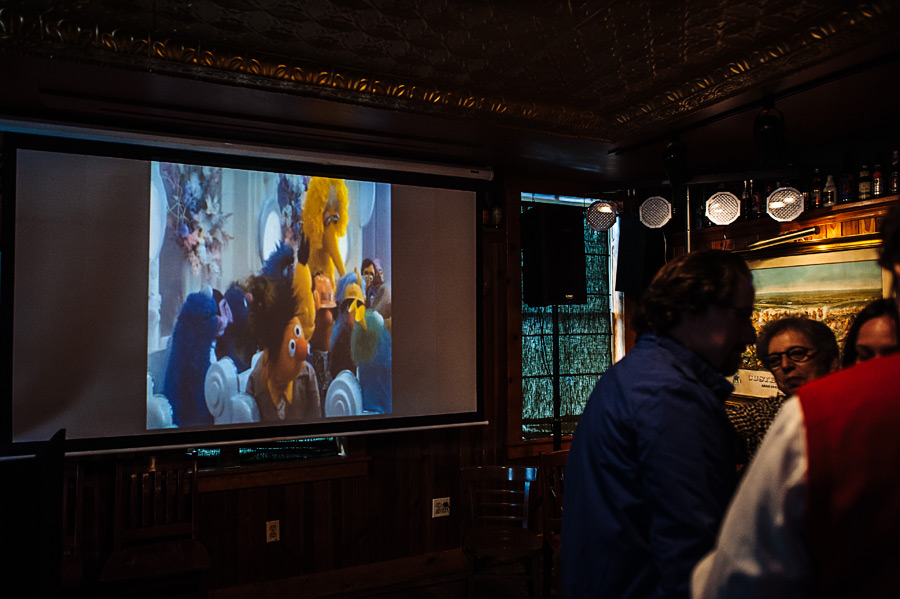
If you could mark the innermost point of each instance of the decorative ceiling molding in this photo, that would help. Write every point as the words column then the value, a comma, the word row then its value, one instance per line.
column 702, row 79
column 811, row 44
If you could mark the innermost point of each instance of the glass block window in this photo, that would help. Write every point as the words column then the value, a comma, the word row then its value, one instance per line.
column 585, row 341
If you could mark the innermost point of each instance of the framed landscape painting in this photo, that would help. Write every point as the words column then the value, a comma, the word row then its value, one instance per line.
column 826, row 281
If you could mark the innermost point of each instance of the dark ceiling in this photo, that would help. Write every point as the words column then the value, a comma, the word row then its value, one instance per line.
column 585, row 89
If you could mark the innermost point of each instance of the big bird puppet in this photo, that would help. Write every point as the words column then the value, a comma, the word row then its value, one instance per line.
column 324, row 222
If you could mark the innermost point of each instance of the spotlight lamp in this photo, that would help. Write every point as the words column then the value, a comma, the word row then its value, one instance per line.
column 655, row 212
column 601, row 215
column 784, row 204
column 723, row 208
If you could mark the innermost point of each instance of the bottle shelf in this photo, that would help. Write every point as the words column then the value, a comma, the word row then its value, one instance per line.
column 745, row 232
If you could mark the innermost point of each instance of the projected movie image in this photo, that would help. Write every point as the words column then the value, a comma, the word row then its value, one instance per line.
column 269, row 298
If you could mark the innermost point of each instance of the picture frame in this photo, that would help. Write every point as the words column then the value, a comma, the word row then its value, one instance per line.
column 830, row 281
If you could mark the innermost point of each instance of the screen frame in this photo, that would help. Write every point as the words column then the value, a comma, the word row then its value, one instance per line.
column 85, row 142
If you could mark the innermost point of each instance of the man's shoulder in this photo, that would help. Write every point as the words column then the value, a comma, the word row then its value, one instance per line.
column 872, row 378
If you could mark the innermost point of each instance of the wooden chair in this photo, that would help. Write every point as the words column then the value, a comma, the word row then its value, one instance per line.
column 156, row 550
column 553, row 474
column 497, row 533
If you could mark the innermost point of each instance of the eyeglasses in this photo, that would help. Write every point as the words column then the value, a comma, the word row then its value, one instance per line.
column 795, row 354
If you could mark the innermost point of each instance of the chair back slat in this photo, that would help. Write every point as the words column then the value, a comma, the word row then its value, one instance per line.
column 499, row 495
column 155, row 500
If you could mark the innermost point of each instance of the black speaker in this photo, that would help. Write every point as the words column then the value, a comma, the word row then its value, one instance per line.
column 553, row 264
column 642, row 252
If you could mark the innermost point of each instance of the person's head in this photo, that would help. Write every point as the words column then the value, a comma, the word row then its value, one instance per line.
column 368, row 272
column 797, row 350
column 703, row 299
column 874, row 333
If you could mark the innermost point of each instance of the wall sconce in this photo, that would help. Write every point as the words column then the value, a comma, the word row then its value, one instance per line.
column 784, row 204
column 655, row 212
column 601, row 215
column 723, row 208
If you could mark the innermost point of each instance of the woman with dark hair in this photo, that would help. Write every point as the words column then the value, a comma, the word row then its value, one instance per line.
column 874, row 333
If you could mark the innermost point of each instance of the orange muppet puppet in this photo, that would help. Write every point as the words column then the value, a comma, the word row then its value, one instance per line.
column 283, row 383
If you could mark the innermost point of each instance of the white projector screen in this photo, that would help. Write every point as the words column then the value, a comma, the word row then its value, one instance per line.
column 146, row 311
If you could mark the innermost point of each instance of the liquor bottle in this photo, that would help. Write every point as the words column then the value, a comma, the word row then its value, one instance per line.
column 815, row 190
column 845, row 184
column 894, row 177
column 755, row 202
column 864, row 183
column 877, row 182
column 829, row 192
column 700, row 221
column 764, row 200
column 745, row 201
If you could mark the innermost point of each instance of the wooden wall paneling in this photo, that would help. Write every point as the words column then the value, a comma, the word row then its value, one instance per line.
column 218, row 513
column 868, row 225
column 252, row 513
column 337, row 522
column 421, row 489
column 355, row 507
column 318, row 522
column 850, row 227
column 294, row 556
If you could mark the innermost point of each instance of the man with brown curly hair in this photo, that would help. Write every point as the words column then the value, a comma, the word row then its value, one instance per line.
column 652, row 465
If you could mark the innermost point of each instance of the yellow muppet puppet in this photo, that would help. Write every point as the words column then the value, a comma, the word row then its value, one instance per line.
column 324, row 222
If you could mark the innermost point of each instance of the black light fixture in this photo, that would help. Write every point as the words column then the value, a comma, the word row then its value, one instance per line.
column 601, row 215
column 723, row 208
column 784, row 204
column 675, row 161
column 768, row 135
column 655, row 212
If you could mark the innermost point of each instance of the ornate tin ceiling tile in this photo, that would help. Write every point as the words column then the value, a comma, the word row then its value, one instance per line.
column 593, row 69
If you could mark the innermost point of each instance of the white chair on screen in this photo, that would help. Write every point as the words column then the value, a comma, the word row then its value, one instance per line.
column 225, row 393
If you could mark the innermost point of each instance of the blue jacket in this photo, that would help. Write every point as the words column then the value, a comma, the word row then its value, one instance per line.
column 650, row 472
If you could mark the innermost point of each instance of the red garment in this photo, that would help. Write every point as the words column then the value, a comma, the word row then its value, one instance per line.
column 853, row 485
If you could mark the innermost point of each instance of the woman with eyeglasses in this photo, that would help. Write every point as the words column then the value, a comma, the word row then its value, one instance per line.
column 874, row 333
column 796, row 350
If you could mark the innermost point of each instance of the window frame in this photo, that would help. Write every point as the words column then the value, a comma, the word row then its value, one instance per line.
column 517, row 445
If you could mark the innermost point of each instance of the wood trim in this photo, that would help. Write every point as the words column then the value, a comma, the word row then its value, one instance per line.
column 395, row 574
column 529, row 449
column 246, row 477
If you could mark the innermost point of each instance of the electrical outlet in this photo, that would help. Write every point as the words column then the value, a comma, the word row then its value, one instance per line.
column 273, row 531
column 440, row 506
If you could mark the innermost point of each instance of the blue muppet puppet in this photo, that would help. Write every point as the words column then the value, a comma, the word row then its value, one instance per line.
column 189, row 359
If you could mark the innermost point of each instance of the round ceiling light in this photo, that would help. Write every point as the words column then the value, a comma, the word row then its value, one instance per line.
column 723, row 208
column 784, row 204
column 655, row 212
column 601, row 215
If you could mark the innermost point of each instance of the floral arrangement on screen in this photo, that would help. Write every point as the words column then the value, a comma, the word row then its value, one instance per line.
column 291, row 190
column 194, row 212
